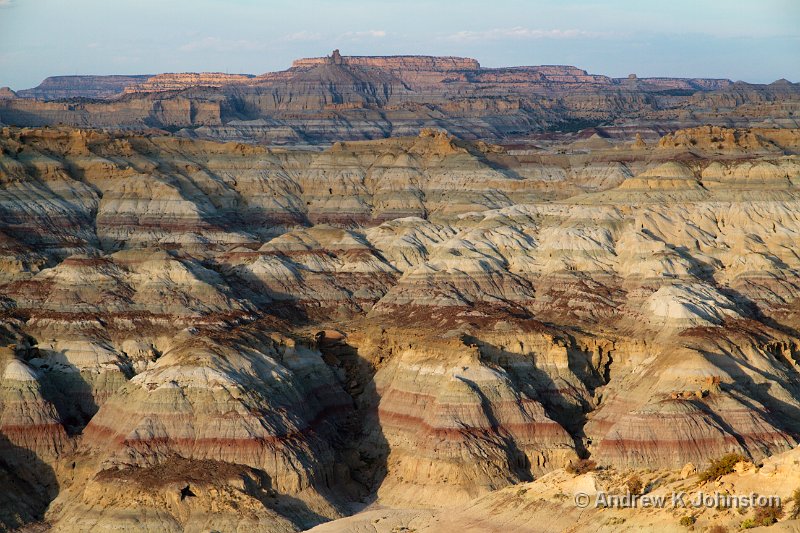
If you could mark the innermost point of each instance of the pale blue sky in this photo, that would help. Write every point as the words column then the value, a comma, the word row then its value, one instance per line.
column 752, row 40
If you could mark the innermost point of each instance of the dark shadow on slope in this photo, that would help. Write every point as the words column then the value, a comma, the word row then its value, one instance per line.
column 27, row 485
column 363, row 446
column 782, row 415
column 516, row 459
column 752, row 309
column 699, row 269
column 563, row 402
column 71, row 394
column 723, row 425
column 259, row 485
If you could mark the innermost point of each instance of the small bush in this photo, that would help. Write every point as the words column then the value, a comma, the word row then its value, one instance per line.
column 635, row 484
column 581, row 467
column 748, row 524
column 720, row 467
column 688, row 521
column 795, row 499
column 767, row 515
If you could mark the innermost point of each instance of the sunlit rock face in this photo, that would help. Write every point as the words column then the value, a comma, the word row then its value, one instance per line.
column 417, row 322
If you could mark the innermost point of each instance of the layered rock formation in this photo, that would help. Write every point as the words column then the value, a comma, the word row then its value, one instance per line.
column 177, row 82
column 327, row 99
column 203, row 335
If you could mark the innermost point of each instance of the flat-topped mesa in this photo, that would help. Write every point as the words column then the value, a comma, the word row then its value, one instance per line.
column 565, row 74
column 687, row 84
column 184, row 80
column 57, row 87
column 391, row 62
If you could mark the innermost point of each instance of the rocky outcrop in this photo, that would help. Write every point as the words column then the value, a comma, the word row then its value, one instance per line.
column 716, row 139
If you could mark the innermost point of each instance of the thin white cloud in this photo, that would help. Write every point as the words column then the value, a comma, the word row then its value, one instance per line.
column 371, row 34
column 215, row 44
column 303, row 36
column 6, row 3
column 519, row 32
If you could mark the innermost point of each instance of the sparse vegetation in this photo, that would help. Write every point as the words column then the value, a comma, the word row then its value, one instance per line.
column 720, row 467
column 767, row 515
column 635, row 484
column 795, row 499
column 717, row 529
column 688, row 521
column 581, row 467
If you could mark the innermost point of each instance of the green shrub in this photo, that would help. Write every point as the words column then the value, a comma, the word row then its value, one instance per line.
column 688, row 521
column 720, row 467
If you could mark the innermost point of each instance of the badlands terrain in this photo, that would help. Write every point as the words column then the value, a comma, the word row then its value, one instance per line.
column 423, row 331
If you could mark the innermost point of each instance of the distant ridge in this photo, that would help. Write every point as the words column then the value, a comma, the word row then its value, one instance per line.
column 325, row 99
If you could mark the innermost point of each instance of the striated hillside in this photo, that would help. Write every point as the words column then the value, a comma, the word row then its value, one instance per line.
column 221, row 336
